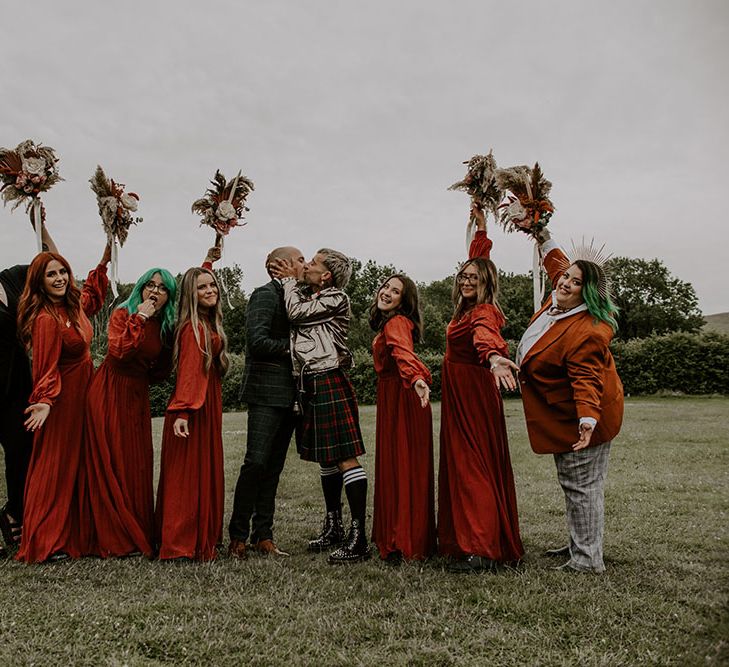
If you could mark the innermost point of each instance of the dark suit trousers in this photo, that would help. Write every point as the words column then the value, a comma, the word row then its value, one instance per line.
column 269, row 435
column 18, row 444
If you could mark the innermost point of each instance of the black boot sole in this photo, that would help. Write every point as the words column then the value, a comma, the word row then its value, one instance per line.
column 318, row 548
column 356, row 559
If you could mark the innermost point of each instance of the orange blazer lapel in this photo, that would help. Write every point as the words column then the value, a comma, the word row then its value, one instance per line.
column 551, row 335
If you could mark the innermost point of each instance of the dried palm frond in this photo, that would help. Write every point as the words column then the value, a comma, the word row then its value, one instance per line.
column 222, row 207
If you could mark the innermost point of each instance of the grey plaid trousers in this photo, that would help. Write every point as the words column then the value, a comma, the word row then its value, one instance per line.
column 582, row 475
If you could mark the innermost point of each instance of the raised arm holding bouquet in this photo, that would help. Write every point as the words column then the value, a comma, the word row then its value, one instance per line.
column 25, row 172
column 115, row 208
column 480, row 183
column 526, row 207
column 223, row 205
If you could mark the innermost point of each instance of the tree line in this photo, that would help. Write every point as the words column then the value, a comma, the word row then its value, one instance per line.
column 654, row 307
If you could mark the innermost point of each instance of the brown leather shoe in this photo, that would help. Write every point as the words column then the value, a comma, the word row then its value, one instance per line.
column 268, row 548
column 237, row 549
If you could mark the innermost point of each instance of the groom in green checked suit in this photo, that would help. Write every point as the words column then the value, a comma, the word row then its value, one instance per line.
column 269, row 390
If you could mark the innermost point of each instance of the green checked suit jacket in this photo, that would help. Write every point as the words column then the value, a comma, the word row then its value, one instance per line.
column 268, row 377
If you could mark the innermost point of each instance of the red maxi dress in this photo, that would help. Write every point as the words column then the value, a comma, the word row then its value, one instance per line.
column 404, row 512
column 191, row 489
column 62, row 368
column 477, row 511
column 115, row 483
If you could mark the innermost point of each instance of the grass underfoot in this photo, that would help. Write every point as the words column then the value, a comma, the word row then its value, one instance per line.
column 662, row 600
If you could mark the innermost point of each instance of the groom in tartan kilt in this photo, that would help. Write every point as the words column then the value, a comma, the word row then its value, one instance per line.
column 328, row 432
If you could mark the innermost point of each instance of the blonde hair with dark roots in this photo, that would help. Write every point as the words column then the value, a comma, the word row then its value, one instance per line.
column 487, row 290
column 338, row 264
column 187, row 311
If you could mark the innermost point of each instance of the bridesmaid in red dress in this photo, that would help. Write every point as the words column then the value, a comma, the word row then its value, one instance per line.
column 53, row 322
column 478, row 525
column 115, row 483
column 404, row 518
column 190, row 495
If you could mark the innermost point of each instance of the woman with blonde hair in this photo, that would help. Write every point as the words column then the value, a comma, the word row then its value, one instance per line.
column 478, row 525
column 189, row 514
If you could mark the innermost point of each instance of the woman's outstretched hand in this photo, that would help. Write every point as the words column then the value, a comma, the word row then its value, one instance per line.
column 502, row 369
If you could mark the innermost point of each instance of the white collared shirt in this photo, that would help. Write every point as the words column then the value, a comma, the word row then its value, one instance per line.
column 542, row 324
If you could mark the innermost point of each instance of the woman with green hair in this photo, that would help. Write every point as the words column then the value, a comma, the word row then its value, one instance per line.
column 573, row 397
column 115, row 483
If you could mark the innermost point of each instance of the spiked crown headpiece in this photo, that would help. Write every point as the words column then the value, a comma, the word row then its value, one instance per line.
column 598, row 257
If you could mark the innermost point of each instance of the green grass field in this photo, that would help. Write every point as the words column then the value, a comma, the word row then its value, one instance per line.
column 662, row 601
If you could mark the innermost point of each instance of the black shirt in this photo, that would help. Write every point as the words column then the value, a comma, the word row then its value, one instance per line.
column 15, row 377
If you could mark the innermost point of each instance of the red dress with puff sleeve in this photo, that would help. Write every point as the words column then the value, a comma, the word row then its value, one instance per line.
column 62, row 368
column 190, row 495
column 477, row 511
column 404, row 514
column 116, row 478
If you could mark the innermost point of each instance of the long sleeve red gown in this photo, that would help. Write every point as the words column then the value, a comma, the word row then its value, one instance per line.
column 477, row 511
column 115, row 482
column 190, row 495
column 62, row 368
column 404, row 513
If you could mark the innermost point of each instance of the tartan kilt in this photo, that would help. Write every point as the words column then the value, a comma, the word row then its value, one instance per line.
column 328, row 430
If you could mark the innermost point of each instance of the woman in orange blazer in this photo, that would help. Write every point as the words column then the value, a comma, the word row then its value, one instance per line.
column 573, row 397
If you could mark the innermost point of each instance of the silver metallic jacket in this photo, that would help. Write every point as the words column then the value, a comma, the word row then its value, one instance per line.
column 319, row 328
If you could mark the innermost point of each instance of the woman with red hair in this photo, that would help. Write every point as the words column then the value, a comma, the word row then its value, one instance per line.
column 53, row 323
column 15, row 387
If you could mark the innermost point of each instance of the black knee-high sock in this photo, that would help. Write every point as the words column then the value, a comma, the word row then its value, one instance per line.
column 355, row 485
column 331, row 485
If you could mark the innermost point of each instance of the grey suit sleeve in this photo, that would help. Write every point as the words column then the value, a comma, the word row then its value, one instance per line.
column 261, row 309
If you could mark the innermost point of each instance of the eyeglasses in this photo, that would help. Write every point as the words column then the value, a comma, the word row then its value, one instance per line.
column 156, row 287
column 470, row 278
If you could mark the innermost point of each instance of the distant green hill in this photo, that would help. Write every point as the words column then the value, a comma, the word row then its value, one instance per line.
column 718, row 323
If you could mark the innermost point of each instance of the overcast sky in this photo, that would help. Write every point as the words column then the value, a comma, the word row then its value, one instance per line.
column 352, row 119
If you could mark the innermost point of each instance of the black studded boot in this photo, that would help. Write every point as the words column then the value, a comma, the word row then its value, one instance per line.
column 354, row 549
column 332, row 533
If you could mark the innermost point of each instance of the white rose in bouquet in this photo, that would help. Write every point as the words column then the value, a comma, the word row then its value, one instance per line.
column 514, row 212
column 226, row 211
column 34, row 165
column 129, row 202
